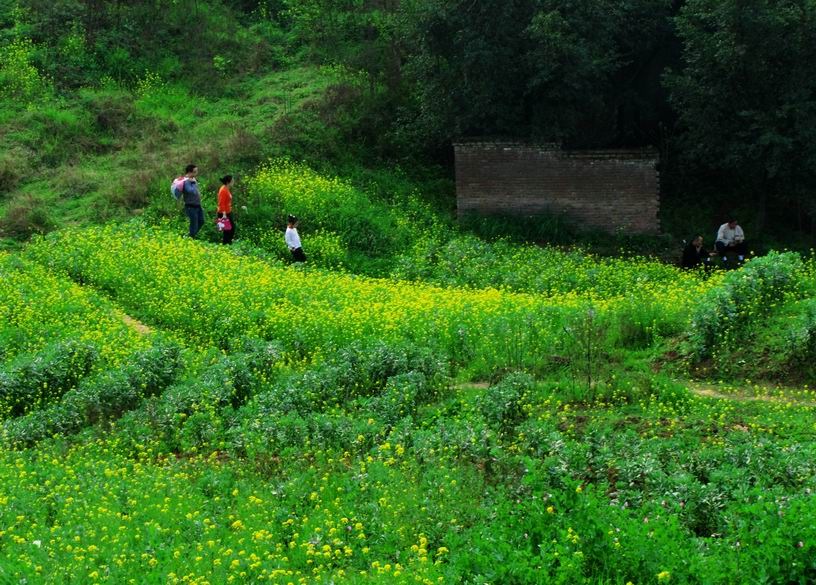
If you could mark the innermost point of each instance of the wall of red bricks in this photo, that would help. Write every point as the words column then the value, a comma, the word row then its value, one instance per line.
column 609, row 189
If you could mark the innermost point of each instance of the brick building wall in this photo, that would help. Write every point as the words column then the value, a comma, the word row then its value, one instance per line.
column 608, row 189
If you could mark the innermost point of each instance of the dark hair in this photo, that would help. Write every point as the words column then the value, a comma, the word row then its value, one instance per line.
column 291, row 219
column 731, row 219
column 190, row 168
column 226, row 179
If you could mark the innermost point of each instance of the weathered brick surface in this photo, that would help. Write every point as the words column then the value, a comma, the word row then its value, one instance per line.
column 609, row 189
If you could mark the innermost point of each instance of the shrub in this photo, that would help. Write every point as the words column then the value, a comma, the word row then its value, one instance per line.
column 201, row 403
column 35, row 381
column 502, row 404
column 551, row 228
column 25, row 216
column 399, row 397
column 103, row 397
column 14, row 166
column 20, row 81
column 374, row 364
column 743, row 299
column 802, row 335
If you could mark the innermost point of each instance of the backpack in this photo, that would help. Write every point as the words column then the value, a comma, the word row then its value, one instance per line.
column 177, row 188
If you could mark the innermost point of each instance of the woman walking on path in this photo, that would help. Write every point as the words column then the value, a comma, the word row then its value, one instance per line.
column 225, row 208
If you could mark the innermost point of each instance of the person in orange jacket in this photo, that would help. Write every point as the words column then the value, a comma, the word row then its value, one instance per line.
column 225, row 208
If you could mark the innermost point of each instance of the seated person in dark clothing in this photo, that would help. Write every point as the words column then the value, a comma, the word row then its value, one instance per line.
column 730, row 237
column 694, row 254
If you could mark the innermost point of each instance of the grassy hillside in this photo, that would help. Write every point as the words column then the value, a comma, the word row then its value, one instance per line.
column 107, row 153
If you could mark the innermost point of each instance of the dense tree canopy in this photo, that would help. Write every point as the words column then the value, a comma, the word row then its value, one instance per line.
column 746, row 95
column 576, row 72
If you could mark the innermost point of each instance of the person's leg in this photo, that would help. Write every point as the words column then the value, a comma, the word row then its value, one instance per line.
column 298, row 255
column 741, row 249
column 720, row 248
column 199, row 220
column 191, row 216
column 230, row 233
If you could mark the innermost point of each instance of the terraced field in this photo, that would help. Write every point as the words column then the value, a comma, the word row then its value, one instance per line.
column 179, row 412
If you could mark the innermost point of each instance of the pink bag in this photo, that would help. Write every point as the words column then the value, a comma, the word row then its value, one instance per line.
column 223, row 224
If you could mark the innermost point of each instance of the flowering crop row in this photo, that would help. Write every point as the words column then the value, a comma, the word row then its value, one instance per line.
column 207, row 294
column 37, row 308
column 100, row 398
column 507, row 487
column 368, row 466
column 332, row 207
column 469, row 261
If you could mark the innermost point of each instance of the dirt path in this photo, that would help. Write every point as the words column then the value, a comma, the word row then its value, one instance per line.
column 135, row 324
column 710, row 391
column 699, row 389
column 473, row 386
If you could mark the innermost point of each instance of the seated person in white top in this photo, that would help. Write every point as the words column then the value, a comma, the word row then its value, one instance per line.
column 730, row 237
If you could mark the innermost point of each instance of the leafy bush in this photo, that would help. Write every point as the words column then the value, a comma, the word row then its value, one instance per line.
column 554, row 229
column 103, row 397
column 20, row 80
column 801, row 335
column 389, row 381
column 502, row 404
column 745, row 297
column 191, row 414
column 399, row 397
column 14, row 166
column 32, row 382
column 26, row 216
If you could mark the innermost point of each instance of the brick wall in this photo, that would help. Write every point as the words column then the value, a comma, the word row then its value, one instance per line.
column 608, row 189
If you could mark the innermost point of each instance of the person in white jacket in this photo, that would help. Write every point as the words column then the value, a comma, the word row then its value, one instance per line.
column 293, row 239
column 730, row 237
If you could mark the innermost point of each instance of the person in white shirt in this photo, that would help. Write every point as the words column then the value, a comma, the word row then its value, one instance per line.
column 730, row 237
column 293, row 239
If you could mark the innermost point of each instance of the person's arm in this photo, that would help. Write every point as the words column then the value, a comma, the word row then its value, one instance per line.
column 721, row 234
column 739, row 235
